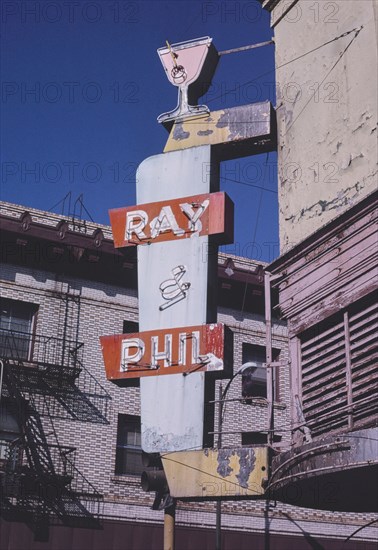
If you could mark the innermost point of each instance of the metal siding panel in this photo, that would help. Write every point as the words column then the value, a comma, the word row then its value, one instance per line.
column 330, row 271
column 174, row 175
column 172, row 407
column 214, row 473
column 155, row 263
column 236, row 132
column 344, row 262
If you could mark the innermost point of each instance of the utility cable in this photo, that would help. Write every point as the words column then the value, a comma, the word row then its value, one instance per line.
column 286, row 63
column 360, row 529
column 250, row 185
column 341, row 55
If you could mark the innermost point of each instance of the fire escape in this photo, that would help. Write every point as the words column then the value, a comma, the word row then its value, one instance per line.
column 43, row 378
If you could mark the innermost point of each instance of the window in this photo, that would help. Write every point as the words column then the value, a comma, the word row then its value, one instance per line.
column 130, row 327
column 254, row 377
column 129, row 451
column 10, row 430
column 16, row 328
column 258, row 438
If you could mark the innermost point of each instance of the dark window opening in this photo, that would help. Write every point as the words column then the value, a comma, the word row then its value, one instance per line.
column 17, row 320
column 258, row 438
column 129, row 450
column 254, row 377
column 10, row 429
column 130, row 327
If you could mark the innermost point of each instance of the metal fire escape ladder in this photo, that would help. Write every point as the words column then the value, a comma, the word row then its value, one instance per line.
column 85, row 399
column 90, row 405
column 20, row 479
column 69, row 506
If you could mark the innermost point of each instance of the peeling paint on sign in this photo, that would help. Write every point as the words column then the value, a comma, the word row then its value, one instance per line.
column 224, row 469
column 217, row 473
column 207, row 214
column 161, row 352
column 247, row 461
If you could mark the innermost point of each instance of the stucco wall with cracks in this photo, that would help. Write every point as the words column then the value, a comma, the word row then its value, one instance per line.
column 326, row 110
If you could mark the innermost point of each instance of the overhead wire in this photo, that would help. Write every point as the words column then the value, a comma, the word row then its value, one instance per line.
column 360, row 529
column 341, row 55
column 218, row 477
column 286, row 63
column 249, row 185
column 357, row 31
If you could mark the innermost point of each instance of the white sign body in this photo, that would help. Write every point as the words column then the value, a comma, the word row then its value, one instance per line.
column 173, row 292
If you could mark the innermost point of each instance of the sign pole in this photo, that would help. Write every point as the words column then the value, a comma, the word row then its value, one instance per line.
column 178, row 223
column 169, row 527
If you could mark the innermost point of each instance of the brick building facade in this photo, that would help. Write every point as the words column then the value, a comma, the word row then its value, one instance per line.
column 72, row 284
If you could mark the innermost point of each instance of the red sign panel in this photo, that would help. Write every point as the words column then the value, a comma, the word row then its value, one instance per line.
column 208, row 214
column 168, row 351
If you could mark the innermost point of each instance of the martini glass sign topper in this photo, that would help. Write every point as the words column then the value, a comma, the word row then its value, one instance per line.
column 190, row 66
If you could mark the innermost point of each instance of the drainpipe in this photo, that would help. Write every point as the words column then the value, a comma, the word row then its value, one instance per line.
column 218, row 532
column 1, row 377
column 268, row 343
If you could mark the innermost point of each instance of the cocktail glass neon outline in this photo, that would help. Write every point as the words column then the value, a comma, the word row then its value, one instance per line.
column 183, row 63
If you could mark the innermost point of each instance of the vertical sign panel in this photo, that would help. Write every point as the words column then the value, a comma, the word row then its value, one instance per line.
column 172, row 407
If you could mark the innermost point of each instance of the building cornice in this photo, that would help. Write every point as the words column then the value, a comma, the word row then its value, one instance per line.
column 46, row 241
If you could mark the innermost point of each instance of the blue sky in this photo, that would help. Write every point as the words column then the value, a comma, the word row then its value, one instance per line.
column 82, row 86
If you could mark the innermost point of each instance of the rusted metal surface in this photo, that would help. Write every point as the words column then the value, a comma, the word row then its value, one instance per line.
column 324, row 474
column 183, row 350
column 217, row 473
column 176, row 219
column 233, row 133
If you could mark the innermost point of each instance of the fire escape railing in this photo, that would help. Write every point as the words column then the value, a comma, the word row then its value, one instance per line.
column 41, row 351
column 90, row 387
column 53, row 367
